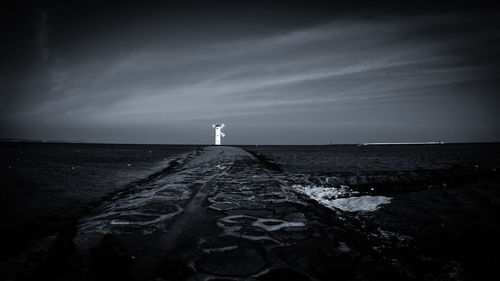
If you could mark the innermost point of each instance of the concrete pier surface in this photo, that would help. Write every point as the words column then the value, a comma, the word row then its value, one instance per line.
column 220, row 213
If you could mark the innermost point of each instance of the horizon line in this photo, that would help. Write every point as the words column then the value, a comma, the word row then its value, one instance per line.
column 15, row 140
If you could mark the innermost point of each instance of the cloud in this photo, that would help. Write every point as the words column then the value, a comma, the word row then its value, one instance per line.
column 313, row 71
column 42, row 35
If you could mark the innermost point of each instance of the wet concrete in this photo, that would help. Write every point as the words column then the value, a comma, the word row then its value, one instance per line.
column 220, row 214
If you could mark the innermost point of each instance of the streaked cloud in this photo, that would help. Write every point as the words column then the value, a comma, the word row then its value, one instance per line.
column 307, row 75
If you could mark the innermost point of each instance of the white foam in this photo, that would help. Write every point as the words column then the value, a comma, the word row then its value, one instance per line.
column 323, row 193
column 329, row 197
column 343, row 247
column 390, row 236
column 362, row 203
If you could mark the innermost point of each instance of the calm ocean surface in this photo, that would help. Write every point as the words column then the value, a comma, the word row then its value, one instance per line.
column 445, row 201
column 380, row 158
column 42, row 184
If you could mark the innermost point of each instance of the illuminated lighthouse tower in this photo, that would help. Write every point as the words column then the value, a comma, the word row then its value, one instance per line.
column 218, row 132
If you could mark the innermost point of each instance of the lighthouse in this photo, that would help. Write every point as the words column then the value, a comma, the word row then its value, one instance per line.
column 218, row 132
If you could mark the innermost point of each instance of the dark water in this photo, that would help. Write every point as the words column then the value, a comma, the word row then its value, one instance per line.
column 443, row 222
column 42, row 184
column 379, row 158
column 388, row 168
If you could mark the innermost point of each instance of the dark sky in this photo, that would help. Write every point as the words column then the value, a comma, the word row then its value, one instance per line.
column 275, row 73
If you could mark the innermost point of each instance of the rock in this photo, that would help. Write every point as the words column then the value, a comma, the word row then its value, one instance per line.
column 174, row 269
column 236, row 262
column 283, row 274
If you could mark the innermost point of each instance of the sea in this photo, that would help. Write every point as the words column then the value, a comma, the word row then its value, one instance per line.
column 45, row 185
column 443, row 201
column 431, row 211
